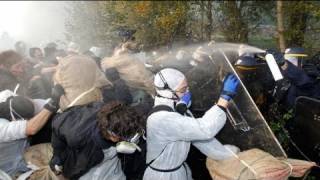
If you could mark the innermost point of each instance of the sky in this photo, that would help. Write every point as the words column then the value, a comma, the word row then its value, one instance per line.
column 35, row 22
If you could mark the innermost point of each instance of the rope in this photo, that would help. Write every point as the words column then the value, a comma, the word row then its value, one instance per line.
column 291, row 168
column 243, row 162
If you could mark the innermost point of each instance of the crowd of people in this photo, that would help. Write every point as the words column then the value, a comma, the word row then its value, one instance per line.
column 101, row 113
column 91, row 115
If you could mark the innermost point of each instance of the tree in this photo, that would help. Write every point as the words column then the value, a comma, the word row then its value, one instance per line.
column 238, row 18
column 280, row 26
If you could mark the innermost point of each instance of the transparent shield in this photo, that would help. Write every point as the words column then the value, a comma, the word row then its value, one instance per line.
column 246, row 127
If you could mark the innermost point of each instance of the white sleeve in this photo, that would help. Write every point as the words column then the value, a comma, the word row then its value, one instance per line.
column 12, row 130
column 172, row 126
column 214, row 149
column 39, row 104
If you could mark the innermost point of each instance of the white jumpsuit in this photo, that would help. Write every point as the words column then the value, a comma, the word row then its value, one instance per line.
column 169, row 136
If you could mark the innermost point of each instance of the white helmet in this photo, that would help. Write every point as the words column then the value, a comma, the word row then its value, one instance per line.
column 73, row 47
column 96, row 51
column 167, row 81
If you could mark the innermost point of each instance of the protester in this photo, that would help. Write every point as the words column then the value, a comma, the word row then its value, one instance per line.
column 171, row 128
column 21, row 47
column 21, row 117
column 85, row 140
column 36, row 55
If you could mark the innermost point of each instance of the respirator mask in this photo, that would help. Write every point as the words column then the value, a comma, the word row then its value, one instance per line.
column 129, row 146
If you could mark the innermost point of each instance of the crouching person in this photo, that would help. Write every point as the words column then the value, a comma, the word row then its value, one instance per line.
column 86, row 140
column 21, row 117
column 171, row 128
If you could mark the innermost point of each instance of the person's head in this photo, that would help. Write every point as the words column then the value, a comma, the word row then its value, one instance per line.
column 170, row 83
column 13, row 62
column 96, row 51
column 295, row 55
column 118, row 122
column 181, row 54
column 73, row 48
column 50, row 49
column 20, row 47
column 7, row 80
column 246, row 63
column 9, row 58
column 36, row 53
column 200, row 55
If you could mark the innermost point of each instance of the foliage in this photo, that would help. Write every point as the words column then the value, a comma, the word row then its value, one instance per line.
column 278, row 118
column 160, row 23
column 302, row 25
column 238, row 18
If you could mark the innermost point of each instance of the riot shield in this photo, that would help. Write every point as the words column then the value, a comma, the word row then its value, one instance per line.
column 246, row 127
column 306, row 125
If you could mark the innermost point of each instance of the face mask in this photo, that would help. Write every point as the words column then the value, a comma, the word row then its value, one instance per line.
column 130, row 146
column 181, row 107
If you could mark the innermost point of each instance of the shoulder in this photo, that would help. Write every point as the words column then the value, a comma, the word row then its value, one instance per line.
column 164, row 118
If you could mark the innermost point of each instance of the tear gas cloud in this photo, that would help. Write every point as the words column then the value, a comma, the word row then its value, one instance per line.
column 35, row 22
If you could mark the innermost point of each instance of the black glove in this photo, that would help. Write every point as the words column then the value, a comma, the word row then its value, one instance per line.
column 53, row 104
column 56, row 165
column 278, row 56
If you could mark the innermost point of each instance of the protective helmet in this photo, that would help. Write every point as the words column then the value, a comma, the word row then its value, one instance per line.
column 246, row 63
column 96, row 51
column 167, row 81
column 295, row 55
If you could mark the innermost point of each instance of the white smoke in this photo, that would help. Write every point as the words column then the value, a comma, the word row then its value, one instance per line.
column 35, row 22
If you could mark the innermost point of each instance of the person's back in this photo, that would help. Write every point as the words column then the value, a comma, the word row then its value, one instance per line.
column 73, row 139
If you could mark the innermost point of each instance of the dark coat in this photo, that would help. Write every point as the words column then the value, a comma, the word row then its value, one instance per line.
column 76, row 140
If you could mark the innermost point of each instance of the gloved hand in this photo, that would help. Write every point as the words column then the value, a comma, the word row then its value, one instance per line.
column 278, row 56
column 53, row 104
column 184, row 103
column 56, row 165
column 230, row 85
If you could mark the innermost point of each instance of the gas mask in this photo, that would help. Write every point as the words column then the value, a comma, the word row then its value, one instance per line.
column 129, row 146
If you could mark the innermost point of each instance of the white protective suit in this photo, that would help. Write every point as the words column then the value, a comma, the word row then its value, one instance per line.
column 13, row 142
column 109, row 169
column 170, row 134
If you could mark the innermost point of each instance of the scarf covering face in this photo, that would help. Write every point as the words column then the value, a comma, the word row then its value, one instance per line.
column 80, row 77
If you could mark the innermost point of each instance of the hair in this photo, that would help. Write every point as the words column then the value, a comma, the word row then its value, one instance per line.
column 7, row 80
column 33, row 50
column 9, row 58
column 120, row 119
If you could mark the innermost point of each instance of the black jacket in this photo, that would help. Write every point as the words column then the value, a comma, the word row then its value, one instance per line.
column 76, row 140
